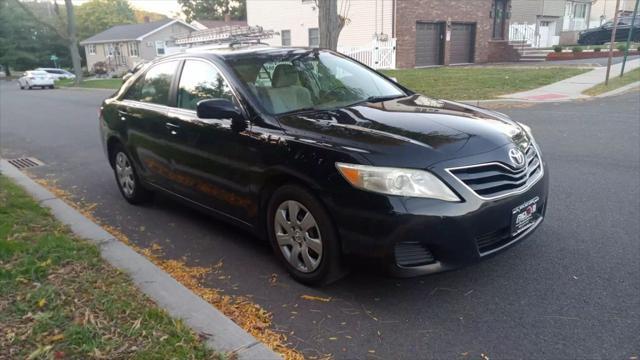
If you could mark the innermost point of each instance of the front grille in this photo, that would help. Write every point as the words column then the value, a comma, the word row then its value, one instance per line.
column 413, row 253
column 494, row 180
column 493, row 240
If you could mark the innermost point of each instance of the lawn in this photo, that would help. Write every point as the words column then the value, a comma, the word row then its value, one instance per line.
column 614, row 83
column 478, row 83
column 59, row 299
column 94, row 84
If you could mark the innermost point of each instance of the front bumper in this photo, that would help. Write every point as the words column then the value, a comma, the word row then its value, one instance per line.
column 396, row 231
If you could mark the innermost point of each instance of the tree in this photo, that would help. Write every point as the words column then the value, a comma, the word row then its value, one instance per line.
column 143, row 15
column 96, row 16
column 213, row 9
column 57, row 23
column 331, row 21
column 24, row 42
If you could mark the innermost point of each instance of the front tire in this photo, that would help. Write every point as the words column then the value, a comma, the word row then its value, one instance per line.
column 127, row 179
column 303, row 236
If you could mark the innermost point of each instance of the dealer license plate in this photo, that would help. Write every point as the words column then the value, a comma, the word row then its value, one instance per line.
column 524, row 215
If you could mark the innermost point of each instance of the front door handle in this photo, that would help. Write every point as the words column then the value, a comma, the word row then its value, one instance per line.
column 173, row 128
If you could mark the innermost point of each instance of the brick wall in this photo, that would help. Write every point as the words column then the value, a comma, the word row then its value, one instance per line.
column 408, row 12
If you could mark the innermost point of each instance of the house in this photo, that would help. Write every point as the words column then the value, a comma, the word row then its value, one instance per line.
column 421, row 32
column 214, row 24
column 544, row 23
column 603, row 11
column 123, row 46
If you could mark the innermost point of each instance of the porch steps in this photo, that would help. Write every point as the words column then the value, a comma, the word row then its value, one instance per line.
column 529, row 53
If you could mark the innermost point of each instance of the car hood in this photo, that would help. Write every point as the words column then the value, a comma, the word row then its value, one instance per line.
column 413, row 131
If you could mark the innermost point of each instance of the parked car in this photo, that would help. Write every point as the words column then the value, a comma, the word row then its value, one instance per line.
column 58, row 74
column 36, row 78
column 327, row 159
column 602, row 34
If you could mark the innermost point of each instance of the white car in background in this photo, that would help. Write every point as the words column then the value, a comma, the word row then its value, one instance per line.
column 58, row 73
column 36, row 78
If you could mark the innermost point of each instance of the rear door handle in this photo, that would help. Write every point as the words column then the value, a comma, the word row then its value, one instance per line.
column 173, row 128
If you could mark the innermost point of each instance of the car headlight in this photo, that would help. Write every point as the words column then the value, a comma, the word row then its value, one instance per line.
column 527, row 129
column 395, row 181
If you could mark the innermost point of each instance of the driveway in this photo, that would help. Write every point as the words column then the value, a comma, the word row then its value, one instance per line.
column 569, row 291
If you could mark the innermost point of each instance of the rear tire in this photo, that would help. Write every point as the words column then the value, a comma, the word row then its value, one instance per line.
column 303, row 236
column 127, row 179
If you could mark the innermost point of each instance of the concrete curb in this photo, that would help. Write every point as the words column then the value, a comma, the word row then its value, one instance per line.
column 619, row 90
column 223, row 335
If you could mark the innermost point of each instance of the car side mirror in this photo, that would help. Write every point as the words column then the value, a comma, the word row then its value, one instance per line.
column 221, row 109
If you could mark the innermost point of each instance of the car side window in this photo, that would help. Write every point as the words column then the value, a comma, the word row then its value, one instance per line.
column 199, row 81
column 153, row 87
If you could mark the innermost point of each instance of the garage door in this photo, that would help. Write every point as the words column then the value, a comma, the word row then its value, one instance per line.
column 462, row 43
column 428, row 44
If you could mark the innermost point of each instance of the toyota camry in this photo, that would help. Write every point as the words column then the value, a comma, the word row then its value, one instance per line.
column 326, row 159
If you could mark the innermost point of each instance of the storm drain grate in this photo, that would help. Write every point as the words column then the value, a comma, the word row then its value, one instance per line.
column 25, row 163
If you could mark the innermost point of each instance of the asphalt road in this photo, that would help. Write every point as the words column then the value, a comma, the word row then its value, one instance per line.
column 572, row 290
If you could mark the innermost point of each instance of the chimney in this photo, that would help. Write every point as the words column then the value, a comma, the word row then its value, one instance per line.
column 147, row 19
column 227, row 18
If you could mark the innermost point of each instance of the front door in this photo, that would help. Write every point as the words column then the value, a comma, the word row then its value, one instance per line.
column 499, row 16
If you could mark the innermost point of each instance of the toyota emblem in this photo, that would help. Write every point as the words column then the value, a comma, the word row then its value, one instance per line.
column 517, row 157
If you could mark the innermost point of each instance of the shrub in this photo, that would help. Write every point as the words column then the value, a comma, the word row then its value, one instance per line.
column 622, row 47
column 557, row 48
column 597, row 49
column 638, row 48
column 577, row 49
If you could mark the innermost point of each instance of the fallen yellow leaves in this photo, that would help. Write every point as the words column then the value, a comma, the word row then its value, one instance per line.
column 248, row 315
column 315, row 298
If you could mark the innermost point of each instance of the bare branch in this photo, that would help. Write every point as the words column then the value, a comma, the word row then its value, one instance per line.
column 43, row 22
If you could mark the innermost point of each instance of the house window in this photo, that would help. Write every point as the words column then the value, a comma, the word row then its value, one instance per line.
column 581, row 11
column 286, row 37
column 134, row 51
column 314, row 37
column 91, row 49
column 160, row 48
column 110, row 49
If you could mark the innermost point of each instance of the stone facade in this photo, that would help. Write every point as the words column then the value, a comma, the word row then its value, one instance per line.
column 478, row 12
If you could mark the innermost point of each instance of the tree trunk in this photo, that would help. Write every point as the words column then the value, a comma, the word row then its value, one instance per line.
column 73, row 42
column 328, row 24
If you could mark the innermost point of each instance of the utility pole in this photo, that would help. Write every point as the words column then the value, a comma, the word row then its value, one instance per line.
column 613, row 40
column 626, row 50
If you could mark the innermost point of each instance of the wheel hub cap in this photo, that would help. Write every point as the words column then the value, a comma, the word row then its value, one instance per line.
column 298, row 236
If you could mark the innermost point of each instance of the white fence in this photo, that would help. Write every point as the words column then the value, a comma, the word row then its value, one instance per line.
column 378, row 55
column 543, row 36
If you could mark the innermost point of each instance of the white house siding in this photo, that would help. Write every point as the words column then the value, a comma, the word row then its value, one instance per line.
column 168, row 34
column 367, row 18
column 527, row 11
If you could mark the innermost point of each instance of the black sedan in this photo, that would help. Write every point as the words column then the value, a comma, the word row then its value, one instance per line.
column 326, row 158
column 602, row 34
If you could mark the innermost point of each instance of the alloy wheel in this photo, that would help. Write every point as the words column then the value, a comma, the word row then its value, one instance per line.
column 298, row 236
column 124, row 171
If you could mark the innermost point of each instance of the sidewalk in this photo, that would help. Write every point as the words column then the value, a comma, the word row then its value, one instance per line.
column 572, row 88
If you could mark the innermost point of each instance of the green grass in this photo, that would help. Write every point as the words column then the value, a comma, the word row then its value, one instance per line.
column 58, row 299
column 614, row 83
column 93, row 84
column 478, row 83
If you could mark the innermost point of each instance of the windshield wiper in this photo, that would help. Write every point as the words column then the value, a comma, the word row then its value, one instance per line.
column 298, row 110
column 374, row 99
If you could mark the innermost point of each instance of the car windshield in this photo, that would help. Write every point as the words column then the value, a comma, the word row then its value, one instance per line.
column 292, row 81
column 38, row 73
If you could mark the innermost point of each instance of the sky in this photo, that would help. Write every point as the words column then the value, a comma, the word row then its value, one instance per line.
column 165, row 7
